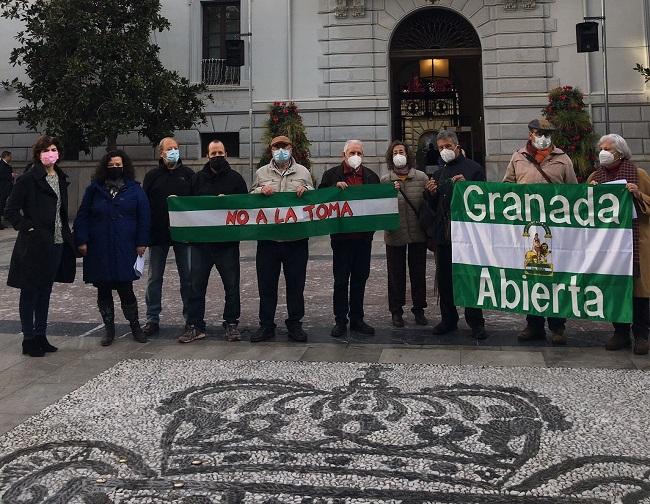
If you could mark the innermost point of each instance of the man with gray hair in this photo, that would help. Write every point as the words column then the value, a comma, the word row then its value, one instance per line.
column 438, row 192
column 170, row 178
column 351, row 251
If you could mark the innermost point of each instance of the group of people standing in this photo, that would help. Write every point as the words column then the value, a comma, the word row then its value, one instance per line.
column 118, row 220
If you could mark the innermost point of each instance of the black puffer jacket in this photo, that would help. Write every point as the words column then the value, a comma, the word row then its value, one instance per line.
column 158, row 185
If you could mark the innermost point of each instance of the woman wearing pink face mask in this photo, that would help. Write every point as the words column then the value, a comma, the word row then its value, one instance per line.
column 44, row 251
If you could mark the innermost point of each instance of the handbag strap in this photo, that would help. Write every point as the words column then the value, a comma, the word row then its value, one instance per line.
column 417, row 213
column 539, row 168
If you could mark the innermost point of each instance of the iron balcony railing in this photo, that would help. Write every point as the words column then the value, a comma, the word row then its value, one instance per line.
column 215, row 72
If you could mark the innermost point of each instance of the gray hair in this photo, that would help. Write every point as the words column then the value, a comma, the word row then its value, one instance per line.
column 447, row 135
column 162, row 143
column 620, row 144
column 349, row 143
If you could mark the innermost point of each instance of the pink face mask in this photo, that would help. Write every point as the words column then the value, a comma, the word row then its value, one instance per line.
column 48, row 158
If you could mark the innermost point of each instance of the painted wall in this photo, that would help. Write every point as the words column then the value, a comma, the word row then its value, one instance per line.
column 339, row 72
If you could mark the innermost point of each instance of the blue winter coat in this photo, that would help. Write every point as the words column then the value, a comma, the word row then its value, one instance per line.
column 112, row 228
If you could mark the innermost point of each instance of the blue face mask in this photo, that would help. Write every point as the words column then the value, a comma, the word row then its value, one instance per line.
column 281, row 155
column 173, row 155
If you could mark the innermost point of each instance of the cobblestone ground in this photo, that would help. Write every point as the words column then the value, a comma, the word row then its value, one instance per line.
column 73, row 308
column 206, row 432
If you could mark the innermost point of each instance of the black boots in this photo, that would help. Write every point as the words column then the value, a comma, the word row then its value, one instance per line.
column 37, row 346
column 107, row 311
column 131, row 314
column 45, row 345
column 32, row 348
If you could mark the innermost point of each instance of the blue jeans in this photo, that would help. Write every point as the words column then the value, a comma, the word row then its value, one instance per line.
column 35, row 301
column 225, row 257
column 157, row 261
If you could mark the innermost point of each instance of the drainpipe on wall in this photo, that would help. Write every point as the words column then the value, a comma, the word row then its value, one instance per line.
column 250, row 90
column 604, row 27
column 289, row 52
column 588, row 67
column 646, row 22
column 190, row 66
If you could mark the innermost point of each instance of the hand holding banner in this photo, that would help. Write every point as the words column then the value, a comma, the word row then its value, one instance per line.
column 546, row 249
column 283, row 216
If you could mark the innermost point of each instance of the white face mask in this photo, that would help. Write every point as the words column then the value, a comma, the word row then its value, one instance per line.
column 399, row 160
column 606, row 158
column 355, row 161
column 447, row 155
column 542, row 142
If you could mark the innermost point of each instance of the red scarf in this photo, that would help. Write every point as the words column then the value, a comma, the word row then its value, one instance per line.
column 627, row 170
column 539, row 154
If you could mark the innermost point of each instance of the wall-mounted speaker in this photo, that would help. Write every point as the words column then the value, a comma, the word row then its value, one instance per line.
column 587, row 37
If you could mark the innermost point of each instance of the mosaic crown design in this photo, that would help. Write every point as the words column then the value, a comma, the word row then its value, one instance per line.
column 277, row 441
column 466, row 434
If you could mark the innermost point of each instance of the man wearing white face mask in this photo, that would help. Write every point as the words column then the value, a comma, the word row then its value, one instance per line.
column 351, row 251
column 282, row 174
column 540, row 162
column 438, row 193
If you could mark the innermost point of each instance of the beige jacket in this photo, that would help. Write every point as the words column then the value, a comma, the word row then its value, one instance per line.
column 642, row 284
column 296, row 176
column 557, row 166
column 409, row 230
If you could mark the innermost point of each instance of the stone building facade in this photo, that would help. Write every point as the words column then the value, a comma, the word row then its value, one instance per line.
column 384, row 69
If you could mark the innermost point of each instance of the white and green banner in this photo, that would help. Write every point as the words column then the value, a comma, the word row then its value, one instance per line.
column 283, row 216
column 544, row 249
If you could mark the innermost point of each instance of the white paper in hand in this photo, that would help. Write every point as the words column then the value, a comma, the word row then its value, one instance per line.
column 623, row 181
column 138, row 267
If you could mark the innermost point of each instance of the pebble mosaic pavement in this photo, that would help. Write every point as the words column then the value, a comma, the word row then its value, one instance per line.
column 199, row 432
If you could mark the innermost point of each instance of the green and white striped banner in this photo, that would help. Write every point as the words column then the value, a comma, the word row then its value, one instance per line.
column 546, row 249
column 283, row 216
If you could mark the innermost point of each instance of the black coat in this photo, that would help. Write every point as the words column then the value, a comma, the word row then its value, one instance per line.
column 6, row 173
column 208, row 183
column 226, row 181
column 440, row 201
column 31, row 209
column 334, row 175
column 158, row 185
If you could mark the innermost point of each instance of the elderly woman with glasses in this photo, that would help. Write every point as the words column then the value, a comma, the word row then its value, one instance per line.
column 615, row 164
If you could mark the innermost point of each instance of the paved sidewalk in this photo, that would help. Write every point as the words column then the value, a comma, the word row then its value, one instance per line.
column 27, row 385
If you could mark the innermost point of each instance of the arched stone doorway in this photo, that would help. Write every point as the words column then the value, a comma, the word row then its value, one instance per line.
column 436, row 82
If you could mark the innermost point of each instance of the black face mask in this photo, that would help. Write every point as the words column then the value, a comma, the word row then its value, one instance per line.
column 114, row 172
column 218, row 163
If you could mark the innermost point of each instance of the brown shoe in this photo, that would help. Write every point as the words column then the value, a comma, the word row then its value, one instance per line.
column 640, row 346
column 150, row 328
column 531, row 334
column 558, row 337
column 618, row 341
column 232, row 333
column 191, row 333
